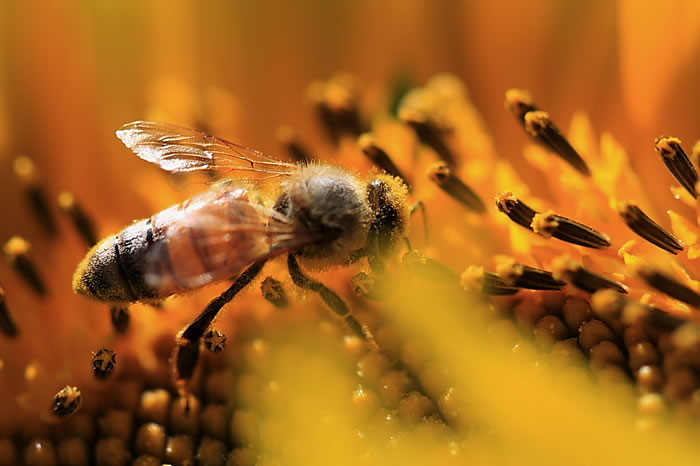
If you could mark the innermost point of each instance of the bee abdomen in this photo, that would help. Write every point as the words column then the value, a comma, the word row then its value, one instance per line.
column 114, row 270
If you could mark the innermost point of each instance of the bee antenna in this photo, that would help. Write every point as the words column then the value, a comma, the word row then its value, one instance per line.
column 421, row 206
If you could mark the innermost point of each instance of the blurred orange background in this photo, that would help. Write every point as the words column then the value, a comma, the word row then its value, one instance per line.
column 72, row 72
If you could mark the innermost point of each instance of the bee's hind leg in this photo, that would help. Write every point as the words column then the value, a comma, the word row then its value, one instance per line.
column 186, row 352
column 331, row 299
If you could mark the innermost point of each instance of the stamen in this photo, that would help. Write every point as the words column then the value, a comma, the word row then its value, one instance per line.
column 315, row 93
column 290, row 141
column 444, row 177
column 214, row 341
column 7, row 322
column 651, row 316
column 540, row 127
column 273, row 291
column 584, row 279
column 378, row 156
column 341, row 98
column 659, row 318
column 81, row 221
column 648, row 229
column 523, row 276
column 427, row 268
column 25, row 171
column 103, row 363
column 120, row 318
column 337, row 105
column 66, row 401
column 548, row 224
column 489, row 283
column 667, row 285
column 428, row 133
column 677, row 162
column 519, row 102
column 515, row 209
column 17, row 252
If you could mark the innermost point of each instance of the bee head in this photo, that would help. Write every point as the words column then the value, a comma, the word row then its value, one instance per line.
column 387, row 197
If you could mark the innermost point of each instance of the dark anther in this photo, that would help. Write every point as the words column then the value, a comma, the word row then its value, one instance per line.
column 668, row 285
column 214, row 341
column 289, row 140
column 523, row 276
column 273, row 291
column 66, row 401
column 26, row 172
column 427, row 268
column 677, row 162
column 103, row 363
column 549, row 224
column 648, row 229
column 583, row 278
column 17, row 253
column 428, row 133
column 120, row 318
column 7, row 322
column 444, row 177
column 378, row 156
column 515, row 209
column 82, row 222
column 540, row 127
column 488, row 283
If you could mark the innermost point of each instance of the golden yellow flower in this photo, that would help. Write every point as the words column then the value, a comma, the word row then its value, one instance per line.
column 597, row 364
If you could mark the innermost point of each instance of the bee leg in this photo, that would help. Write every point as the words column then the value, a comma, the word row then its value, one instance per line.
column 331, row 299
column 356, row 255
column 376, row 263
column 187, row 349
column 415, row 208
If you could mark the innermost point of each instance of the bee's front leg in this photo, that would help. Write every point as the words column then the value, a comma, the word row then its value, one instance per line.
column 332, row 300
column 186, row 352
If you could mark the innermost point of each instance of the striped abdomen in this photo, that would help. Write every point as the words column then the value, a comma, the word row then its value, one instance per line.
column 208, row 238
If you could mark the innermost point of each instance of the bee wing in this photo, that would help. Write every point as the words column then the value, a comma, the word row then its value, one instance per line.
column 214, row 236
column 176, row 149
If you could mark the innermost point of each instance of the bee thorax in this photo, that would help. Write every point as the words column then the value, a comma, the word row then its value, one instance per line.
column 331, row 202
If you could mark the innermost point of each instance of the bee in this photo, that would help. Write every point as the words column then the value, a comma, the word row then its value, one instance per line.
column 319, row 214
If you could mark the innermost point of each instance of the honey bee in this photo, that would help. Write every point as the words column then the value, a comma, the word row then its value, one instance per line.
column 319, row 214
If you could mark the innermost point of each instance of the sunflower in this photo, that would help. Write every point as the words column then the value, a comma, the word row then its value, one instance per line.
column 542, row 307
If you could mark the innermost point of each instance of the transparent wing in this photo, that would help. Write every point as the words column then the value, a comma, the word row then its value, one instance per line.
column 176, row 149
column 214, row 236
